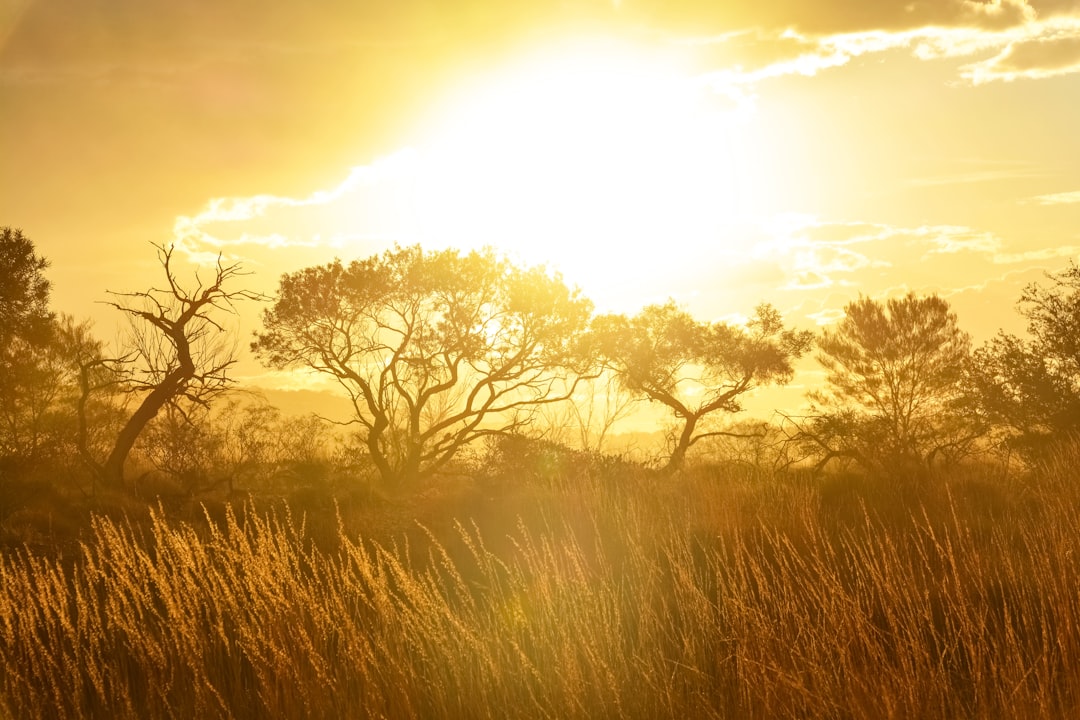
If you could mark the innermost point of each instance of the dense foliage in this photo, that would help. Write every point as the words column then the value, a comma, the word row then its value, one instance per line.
column 24, row 289
column 897, row 395
column 1031, row 386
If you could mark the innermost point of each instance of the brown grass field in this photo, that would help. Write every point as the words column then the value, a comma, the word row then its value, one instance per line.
column 716, row 594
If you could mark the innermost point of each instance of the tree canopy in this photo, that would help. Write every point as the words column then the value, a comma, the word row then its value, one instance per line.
column 1032, row 386
column 24, row 289
column 434, row 349
column 30, row 357
column 696, row 369
column 896, row 395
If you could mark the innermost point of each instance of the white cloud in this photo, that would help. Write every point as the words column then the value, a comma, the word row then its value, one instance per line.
column 1036, row 255
column 1064, row 198
column 828, row 316
column 950, row 240
column 812, row 255
column 808, row 280
column 1036, row 48
column 361, row 208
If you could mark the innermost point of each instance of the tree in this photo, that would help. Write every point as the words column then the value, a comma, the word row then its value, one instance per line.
column 249, row 438
column 183, row 443
column 24, row 290
column 696, row 369
column 1031, row 386
column 178, row 351
column 434, row 349
column 597, row 409
column 30, row 356
column 39, row 394
column 897, row 396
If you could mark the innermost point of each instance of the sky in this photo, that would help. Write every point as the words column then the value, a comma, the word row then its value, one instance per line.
column 799, row 152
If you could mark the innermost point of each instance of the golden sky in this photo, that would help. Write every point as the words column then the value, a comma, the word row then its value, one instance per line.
column 799, row 152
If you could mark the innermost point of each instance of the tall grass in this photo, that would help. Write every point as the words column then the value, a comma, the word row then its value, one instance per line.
column 714, row 596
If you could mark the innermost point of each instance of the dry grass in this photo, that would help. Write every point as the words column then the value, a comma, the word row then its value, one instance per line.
column 714, row 596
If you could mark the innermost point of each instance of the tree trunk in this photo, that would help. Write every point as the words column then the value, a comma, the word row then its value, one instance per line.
column 170, row 387
column 678, row 454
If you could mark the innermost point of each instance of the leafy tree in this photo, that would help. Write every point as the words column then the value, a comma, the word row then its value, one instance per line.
column 1032, row 386
column 897, row 397
column 32, row 352
column 696, row 369
column 434, row 349
column 39, row 396
column 178, row 352
column 24, row 290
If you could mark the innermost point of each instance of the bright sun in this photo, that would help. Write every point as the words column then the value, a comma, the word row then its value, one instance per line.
column 605, row 163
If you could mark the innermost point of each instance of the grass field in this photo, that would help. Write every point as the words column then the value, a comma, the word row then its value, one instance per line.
column 718, row 594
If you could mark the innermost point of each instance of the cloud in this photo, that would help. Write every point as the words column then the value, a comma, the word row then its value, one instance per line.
column 954, row 240
column 817, row 254
column 1049, row 54
column 741, row 43
column 1007, row 40
column 808, row 280
column 828, row 316
column 825, row 17
column 361, row 209
column 851, row 258
column 951, row 240
column 1037, row 255
column 1064, row 198
column 977, row 176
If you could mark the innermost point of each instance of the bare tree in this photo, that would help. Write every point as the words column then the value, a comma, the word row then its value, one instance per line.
column 585, row 420
column 177, row 350
column 598, row 408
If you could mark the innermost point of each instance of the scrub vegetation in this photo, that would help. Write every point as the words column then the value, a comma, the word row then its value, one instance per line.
column 173, row 547
column 584, row 592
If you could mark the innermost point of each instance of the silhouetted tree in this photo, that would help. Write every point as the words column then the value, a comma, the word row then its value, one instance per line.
column 178, row 351
column 250, row 435
column 24, row 290
column 39, row 394
column 183, row 443
column 434, row 349
column 696, row 369
column 40, row 354
column 30, row 359
column 1032, row 386
column 897, row 395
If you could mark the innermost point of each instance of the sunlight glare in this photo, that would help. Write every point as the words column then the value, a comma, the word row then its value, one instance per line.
column 609, row 166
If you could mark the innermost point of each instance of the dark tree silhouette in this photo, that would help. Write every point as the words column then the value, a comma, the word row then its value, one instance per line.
column 696, row 369
column 897, row 396
column 39, row 394
column 1032, row 386
column 434, row 349
column 178, row 350
column 29, row 363
column 24, row 290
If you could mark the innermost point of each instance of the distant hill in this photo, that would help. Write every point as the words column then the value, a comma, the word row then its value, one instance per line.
column 302, row 402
